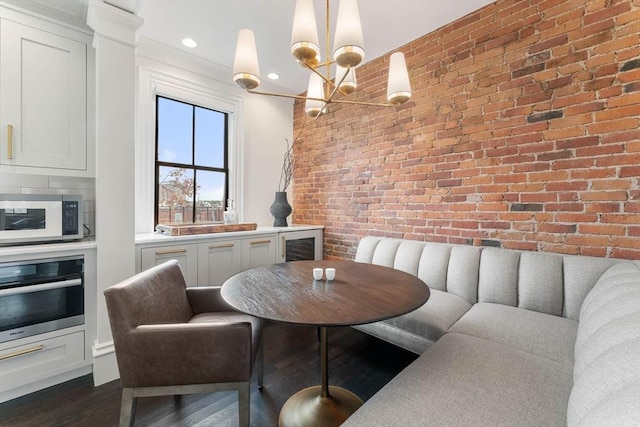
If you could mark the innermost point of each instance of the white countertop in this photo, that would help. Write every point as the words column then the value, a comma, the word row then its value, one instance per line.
column 142, row 238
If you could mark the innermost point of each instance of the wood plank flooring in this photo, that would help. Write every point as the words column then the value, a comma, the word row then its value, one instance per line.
column 357, row 362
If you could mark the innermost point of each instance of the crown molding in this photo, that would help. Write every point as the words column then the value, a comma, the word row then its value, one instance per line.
column 110, row 22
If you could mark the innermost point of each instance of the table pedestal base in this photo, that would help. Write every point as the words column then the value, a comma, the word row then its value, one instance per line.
column 307, row 408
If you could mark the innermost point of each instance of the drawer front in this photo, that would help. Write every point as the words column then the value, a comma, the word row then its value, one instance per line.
column 42, row 359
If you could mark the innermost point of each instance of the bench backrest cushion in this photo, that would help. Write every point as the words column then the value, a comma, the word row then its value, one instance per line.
column 606, row 372
column 450, row 268
column 544, row 282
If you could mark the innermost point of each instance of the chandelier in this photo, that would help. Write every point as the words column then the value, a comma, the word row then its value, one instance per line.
column 348, row 53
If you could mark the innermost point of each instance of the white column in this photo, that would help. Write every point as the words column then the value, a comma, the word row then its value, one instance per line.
column 114, row 42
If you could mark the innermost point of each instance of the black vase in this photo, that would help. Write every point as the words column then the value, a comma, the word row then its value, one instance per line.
column 280, row 209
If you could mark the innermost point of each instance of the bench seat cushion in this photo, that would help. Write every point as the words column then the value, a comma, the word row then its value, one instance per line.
column 544, row 335
column 416, row 331
column 467, row 381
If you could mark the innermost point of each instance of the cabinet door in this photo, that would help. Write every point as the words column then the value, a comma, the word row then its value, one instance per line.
column 187, row 256
column 43, row 81
column 217, row 261
column 258, row 251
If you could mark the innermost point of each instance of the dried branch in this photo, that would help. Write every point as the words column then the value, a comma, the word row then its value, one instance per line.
column 288, row 167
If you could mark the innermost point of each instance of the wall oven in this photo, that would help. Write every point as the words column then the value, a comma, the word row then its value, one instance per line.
column 40, row 296
column 33, row 218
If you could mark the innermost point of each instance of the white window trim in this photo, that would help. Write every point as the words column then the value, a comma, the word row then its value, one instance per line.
column 152, row 82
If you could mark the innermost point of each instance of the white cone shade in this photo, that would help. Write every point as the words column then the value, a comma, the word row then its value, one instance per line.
column 246, row 71
column 398, row 87
column 349, row 84
column 348, row 46
column 314, row 107
column 304, row 36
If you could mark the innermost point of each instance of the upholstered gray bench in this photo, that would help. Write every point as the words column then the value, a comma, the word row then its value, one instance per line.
column 510, row 338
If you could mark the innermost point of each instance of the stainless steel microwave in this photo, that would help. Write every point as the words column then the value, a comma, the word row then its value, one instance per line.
column 35, row 218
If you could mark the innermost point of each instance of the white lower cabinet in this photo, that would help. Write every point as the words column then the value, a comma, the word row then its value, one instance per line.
column 187, row 256
column 29, row 363
column 258, row 252
column 211, row 262
column 217, row 261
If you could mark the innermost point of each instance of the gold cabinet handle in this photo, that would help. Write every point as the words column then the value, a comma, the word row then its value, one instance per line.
column 284, row 242
column 171, row 251
column 221, row 245
column 22, row 352
column 260, row 242
column 9, row 142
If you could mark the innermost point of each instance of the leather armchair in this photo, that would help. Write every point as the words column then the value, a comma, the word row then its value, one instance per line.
column 173, row 340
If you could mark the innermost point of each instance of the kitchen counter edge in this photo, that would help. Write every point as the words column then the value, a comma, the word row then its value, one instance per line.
column 47, row 248
column 143, row 238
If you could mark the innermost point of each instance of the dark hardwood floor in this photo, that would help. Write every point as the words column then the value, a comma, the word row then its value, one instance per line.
column 357, row 362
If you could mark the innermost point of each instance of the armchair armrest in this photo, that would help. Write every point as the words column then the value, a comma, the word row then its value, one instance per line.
column 186, row 353
column 206, row 299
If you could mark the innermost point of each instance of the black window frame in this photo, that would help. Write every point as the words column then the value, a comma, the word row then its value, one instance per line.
column 158, row 163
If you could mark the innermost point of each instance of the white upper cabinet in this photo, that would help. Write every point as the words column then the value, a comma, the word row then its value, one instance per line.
column 43, row 107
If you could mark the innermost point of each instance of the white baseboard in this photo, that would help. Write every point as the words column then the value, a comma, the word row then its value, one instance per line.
column 105, row 365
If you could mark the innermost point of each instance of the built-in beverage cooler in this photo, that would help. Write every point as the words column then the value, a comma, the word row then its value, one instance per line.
column 300, row 245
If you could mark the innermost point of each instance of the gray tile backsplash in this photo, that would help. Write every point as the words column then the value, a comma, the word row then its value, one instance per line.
column 46, row 184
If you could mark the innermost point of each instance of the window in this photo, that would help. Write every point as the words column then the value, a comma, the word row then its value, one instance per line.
column 191, row 166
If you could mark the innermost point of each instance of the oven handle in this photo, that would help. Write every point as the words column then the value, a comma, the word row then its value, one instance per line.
column 42, row 287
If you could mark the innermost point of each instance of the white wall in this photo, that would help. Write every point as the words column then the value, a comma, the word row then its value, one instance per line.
column 268, row 124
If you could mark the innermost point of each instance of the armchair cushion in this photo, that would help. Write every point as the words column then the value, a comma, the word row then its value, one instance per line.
column 206, row 299
column 227, row 317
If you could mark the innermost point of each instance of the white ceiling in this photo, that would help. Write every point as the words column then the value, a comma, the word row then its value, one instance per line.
column 214, row 24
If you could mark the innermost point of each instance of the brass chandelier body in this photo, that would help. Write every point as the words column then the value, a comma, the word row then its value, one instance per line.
column 347, row 55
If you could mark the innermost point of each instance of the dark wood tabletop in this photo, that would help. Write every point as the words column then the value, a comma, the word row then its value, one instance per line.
column 361, row 293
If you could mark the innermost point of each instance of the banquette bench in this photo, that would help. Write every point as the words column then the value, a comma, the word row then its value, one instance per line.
column 510, row 338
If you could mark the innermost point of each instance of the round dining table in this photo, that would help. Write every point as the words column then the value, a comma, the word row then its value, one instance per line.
column 287, row 293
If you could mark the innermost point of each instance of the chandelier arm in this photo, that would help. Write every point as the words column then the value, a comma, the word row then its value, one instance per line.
column 373, row 104
column 283, row 95
column 324, row 78
column 326, row 45
column 336, row 86
column 337, row 101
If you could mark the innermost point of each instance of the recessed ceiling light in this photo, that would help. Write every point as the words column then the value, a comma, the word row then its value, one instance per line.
column 189, row 42
column 273, row 76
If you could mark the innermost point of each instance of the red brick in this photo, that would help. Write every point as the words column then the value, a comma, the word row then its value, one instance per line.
column 588, row 240
column 604, row 207
column 606, row 229
column 557, row 228
column 564, row 207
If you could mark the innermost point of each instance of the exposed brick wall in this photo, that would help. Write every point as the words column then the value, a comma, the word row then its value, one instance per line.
column 522, row 132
